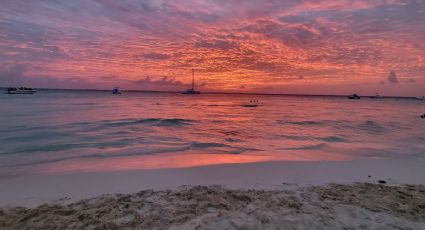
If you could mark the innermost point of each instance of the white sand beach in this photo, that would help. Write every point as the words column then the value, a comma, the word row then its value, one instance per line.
column 267, row 195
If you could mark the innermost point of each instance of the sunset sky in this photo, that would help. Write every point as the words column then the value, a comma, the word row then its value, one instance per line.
column 269, row 46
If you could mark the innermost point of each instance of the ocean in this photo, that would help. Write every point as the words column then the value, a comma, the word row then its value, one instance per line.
column 63, row 131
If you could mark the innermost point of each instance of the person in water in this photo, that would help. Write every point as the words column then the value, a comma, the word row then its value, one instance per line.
column 423, row 115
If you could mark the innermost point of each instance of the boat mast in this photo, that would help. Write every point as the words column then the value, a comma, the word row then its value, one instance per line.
column 193, row 79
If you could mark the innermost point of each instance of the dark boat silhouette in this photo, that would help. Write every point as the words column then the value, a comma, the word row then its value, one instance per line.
column 354, row 96
column 192, row 90
column 116, row 90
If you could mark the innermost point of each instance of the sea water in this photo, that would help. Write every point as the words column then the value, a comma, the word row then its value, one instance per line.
column 56, row 131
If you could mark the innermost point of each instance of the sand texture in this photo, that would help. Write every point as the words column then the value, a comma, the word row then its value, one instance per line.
column 334, row 206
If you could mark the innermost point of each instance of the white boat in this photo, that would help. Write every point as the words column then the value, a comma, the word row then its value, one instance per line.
column 421, row 98
column 20, row 90
column 377, row 96
column 192, row 90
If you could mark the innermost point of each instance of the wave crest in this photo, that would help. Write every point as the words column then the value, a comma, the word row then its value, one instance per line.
column 151, row 121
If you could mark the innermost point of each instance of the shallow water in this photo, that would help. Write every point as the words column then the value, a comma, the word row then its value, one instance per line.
column 58, row 131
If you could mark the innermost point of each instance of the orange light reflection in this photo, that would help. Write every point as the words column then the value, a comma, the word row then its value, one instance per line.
column 180, row 160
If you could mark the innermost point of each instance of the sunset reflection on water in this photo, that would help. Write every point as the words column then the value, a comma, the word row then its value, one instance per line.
column 176, row 160
column 65, row 131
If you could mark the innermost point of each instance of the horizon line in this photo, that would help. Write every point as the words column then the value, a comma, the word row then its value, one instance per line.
column 233, row 93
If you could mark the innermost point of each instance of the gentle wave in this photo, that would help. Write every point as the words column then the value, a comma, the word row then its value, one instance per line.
column 215, row 105
column 250, row 105
column 64, row 125
column 310, row 138
column 107, row 123
column 369, row 126
column 372, row 127
column 205, row 146
column 223, row 147
column 151, row 121
column 333, row 139
column 307, row 147
column 300, row 122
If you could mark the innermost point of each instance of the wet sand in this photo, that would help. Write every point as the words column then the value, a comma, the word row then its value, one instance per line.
column 333, row 206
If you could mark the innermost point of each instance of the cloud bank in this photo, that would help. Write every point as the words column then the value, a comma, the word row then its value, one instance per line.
column 290, row 45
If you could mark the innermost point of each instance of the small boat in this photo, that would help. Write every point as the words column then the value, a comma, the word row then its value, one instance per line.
column 377, row 96
column 354, row 96
column 192, row 90
column 421, row 98
column 252, row 103
column 20, row 90
column 116, row 90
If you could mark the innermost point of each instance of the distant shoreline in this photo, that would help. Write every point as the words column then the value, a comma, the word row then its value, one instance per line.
column 223, row 93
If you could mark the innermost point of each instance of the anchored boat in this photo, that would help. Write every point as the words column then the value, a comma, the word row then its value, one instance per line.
column 20, row 90
column 116, row 90
column 192, row 90
column 377, row 96
column 354, row 96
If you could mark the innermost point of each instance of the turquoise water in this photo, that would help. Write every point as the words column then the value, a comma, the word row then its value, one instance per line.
column 56, row 129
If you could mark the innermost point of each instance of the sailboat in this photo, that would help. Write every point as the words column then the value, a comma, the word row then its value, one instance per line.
column 192, row 90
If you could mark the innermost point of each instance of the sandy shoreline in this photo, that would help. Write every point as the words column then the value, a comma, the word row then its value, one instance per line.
column 33, row 190
column 335, row 206
column 263, row 195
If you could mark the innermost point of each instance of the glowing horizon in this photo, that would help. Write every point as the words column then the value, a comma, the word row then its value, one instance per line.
column 297, row 46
